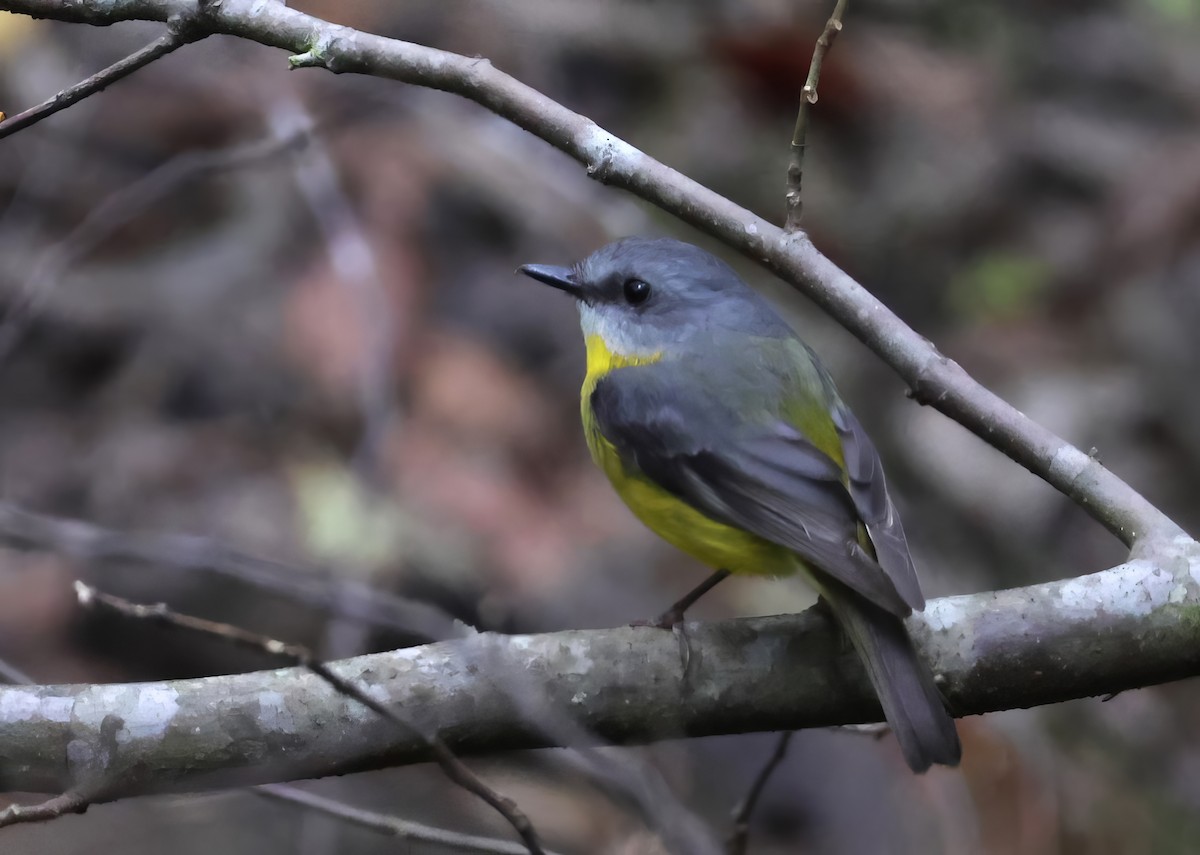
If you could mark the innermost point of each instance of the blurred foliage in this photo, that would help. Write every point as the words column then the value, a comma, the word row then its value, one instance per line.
column 341, row 520
column 998, row 286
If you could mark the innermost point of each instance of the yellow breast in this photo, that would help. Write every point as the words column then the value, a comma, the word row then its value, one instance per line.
column 714, row 543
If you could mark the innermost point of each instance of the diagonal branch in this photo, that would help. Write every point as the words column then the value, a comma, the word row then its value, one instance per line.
column 175, row 38
column 934, row 379
column 1130, row 626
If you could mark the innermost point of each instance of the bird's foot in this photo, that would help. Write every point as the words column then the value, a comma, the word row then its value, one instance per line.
column 672, row 619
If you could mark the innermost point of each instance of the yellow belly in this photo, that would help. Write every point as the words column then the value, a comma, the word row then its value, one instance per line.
column 718, row 545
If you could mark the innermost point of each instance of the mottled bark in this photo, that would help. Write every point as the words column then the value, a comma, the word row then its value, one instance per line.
column 1130, row 626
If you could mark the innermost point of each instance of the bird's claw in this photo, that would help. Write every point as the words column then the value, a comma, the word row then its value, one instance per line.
column 672, row 619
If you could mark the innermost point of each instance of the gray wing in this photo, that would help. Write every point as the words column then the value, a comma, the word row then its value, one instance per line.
column 767, row 480
column 868, row 490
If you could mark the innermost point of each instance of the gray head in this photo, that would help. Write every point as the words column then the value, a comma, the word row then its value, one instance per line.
column 642, row 294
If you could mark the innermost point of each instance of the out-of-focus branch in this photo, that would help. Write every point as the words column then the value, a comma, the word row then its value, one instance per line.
column 177, row 37
column 22, row 529
column 389, row 825
column 793, row 204
column 114, row 212
column 934, row 379
column 1132, row 625
column 357, row 269
column 742, row 813
column 10, row 673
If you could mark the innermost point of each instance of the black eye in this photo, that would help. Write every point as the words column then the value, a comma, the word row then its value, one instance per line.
column 636, row 291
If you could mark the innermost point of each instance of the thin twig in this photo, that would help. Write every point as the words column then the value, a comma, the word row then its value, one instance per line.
column 743, row 812
column 390, row 825
column 176, row 38
column 808, row 97
column 327, row 591
column 454, row 768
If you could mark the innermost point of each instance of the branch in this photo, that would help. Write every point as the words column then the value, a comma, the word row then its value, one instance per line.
column 934, row 379
column 76, row 802
column 742, row 813
column 1133, row 625
column 389, row 825
column 357, row 269
column 808, row 96
column 10, row 673
column 69, row 802
column 181, row 32
column 331, row 592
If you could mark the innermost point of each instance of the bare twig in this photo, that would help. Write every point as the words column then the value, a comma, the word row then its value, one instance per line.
column 390, row 825
column 68, row 802
column 177, row 37
column 808, row 97
column 330, row 592
column 743, row 812
column 454, row 768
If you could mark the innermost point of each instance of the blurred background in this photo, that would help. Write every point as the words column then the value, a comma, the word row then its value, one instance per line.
column 262, row 353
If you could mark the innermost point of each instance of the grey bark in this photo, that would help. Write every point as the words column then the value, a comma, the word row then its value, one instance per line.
column 1132, row 625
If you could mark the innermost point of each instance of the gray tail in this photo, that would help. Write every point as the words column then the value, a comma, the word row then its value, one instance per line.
column 911, row 701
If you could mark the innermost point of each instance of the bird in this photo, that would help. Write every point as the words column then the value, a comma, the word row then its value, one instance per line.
column 725, row 435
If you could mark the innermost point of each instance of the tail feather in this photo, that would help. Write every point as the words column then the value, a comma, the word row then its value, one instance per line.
column 911, row 701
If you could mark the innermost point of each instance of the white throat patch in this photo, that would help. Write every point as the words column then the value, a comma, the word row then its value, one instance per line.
column 620, row 334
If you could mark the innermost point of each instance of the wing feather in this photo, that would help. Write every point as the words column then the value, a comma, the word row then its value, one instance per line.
column 768, row 480
column 868, row 490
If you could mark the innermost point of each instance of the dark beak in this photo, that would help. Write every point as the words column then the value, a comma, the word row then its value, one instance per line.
column 562, row 278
